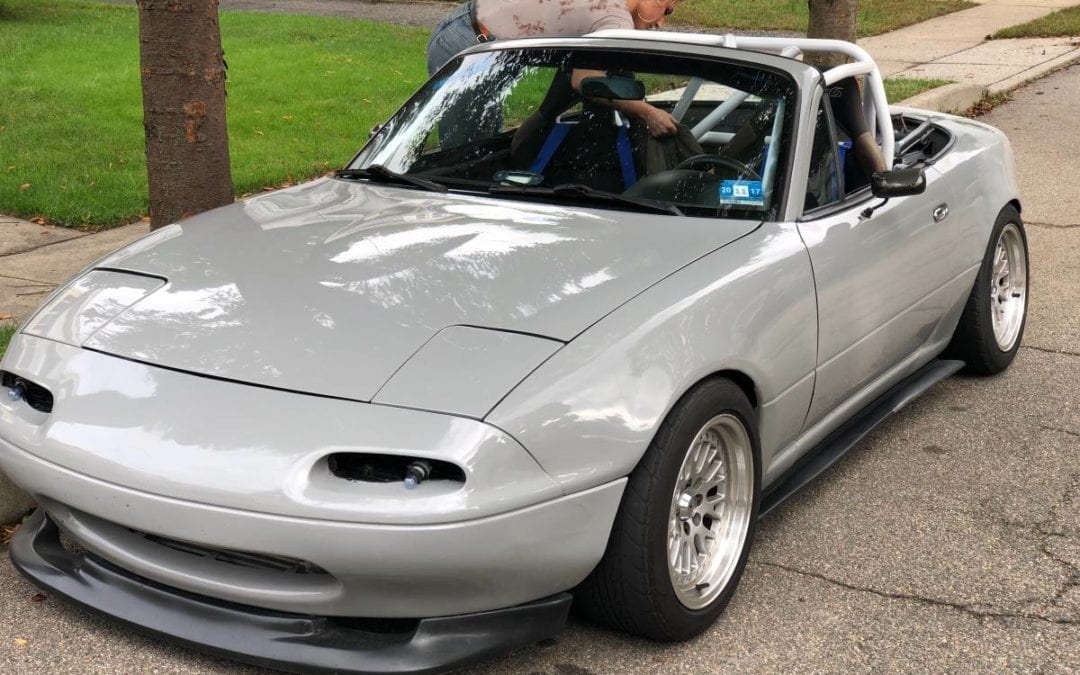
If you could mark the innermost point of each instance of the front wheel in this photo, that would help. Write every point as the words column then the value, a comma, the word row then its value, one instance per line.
column 993, row 321
column 683, row 531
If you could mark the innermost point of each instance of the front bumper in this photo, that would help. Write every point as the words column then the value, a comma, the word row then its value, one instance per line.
column 136, row 463
column 386, row 571
column 272, row 639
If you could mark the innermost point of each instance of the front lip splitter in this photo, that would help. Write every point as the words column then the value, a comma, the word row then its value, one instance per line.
column 294, row 642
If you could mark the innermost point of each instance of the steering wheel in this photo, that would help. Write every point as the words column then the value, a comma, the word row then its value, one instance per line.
column 716, row 161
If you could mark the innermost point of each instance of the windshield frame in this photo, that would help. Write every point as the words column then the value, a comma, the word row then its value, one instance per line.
column 790, row 71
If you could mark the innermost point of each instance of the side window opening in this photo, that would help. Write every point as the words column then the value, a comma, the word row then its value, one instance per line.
column 825, row 182
column 859, row 155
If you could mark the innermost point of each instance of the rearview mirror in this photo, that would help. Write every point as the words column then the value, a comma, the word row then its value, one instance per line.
column 613, row 87
column 898, row 183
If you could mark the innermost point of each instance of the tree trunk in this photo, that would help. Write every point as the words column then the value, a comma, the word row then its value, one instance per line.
column 833, row 20
column 183, row 84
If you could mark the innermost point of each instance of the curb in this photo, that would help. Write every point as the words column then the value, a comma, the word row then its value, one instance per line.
column 959, row 97
column 949, row 98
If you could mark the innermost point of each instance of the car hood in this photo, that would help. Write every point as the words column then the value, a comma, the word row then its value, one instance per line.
column 331, row 286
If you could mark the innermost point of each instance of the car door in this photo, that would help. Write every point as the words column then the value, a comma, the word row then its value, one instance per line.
column 876, row 276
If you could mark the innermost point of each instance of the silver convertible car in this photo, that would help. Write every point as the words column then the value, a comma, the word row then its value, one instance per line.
column 525, row 350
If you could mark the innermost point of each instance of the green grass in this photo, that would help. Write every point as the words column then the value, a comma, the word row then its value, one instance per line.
column 302, row 94
column 7, row 331
column 1062, row 23
column 875, row 16
column 899, row 88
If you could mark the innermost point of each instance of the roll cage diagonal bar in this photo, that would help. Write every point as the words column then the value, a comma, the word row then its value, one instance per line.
column 875, row 106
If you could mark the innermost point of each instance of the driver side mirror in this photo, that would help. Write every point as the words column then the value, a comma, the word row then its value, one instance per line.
column 613, row 88
column 898, row 183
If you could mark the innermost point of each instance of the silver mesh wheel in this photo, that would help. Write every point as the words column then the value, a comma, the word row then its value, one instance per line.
column 710, row 511
column 1008, row 287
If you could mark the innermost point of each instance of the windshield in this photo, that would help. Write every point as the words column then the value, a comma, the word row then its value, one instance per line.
column 578, row 125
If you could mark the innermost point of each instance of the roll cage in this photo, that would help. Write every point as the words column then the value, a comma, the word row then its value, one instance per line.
column 875, row 103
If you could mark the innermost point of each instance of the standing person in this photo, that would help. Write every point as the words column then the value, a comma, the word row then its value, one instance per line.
column 485, row 20
column 478, row 21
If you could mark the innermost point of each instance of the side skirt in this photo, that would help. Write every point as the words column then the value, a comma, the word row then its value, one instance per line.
column 843, row 440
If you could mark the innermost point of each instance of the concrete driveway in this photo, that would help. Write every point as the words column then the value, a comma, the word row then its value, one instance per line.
column 950, row 541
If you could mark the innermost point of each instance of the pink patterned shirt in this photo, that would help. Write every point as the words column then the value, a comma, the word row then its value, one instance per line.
column 508, row 19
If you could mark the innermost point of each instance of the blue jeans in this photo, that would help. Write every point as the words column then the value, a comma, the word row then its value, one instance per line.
column 452, row 35
column 462, row 122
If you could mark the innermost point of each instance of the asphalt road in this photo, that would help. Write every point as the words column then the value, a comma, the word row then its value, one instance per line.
column 949, row 541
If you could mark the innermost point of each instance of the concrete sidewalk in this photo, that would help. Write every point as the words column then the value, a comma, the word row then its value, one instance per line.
column 955, row 47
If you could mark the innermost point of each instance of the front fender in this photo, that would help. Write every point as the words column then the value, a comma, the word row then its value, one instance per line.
column 589, row 413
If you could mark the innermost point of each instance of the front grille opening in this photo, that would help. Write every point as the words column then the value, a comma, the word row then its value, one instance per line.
column 382, row 626
column 258, row 561
column 70, row 545
column 379, row 468
column 36, row 396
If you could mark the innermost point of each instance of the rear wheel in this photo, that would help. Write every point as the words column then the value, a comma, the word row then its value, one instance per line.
column 683, row 531
column 992, row 325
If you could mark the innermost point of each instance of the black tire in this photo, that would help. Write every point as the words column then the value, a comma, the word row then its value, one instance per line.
column 631, row 590
column 974, row 342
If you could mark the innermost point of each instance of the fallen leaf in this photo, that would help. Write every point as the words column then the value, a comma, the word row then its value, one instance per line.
column 7, row 532
column 24, row 186
column 11, row 168
column 39, row 220
column 21, row 642
column 146, row 219
column 6, row 317
column 286, row 117
column 38, row 597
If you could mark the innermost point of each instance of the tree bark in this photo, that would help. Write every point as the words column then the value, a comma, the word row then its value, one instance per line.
column 833, row 20
column 183, row 84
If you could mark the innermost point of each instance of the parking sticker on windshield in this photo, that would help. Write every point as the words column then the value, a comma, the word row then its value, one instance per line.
column 742, row 193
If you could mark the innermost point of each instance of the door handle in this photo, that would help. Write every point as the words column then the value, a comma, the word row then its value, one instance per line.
column 941, row 213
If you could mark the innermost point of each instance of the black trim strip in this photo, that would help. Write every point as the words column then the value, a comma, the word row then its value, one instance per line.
column 496, row 329
column 293, row 642
column 133, row 273
column 843, row 440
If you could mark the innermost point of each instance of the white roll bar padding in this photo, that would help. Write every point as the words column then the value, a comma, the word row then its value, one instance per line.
column 774, row 152
column 719, row 113
column 875, row 103
column 687, row 98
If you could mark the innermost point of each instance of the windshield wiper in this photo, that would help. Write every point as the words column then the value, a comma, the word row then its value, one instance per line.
column 380, row 174
column 584, row 193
